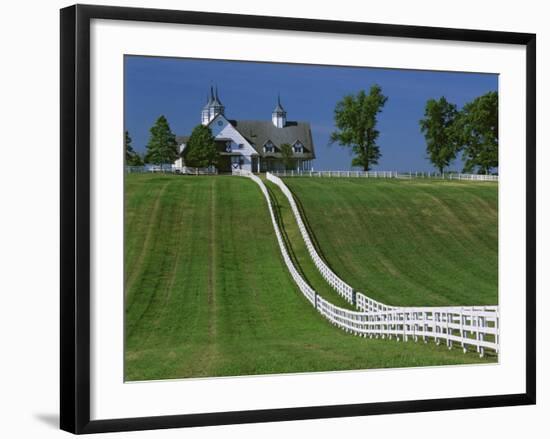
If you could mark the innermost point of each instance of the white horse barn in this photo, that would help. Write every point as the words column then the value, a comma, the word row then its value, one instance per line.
column 253, row 145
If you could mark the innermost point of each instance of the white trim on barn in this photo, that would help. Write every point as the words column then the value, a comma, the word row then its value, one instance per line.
column 253, row 145
column 242, row 152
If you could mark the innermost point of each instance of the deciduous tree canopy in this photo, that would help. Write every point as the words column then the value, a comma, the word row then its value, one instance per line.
column 437, row 127
column 287, row 155
column 201, row 151
column 476, row 133
column 355, row 117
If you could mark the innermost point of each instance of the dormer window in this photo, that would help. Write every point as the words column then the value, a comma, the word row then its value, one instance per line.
column 298, row 147
column 269, row 147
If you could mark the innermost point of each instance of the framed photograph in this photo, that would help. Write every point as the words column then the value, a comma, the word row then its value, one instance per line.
column 273, row 218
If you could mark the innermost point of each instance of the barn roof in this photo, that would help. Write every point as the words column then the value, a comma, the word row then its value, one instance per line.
column 258, row 132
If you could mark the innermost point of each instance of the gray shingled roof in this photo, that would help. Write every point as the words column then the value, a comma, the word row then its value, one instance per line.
column 181, row 139
column 258, row 132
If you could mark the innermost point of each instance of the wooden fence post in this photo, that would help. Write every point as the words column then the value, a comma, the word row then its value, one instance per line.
column 482, row 336
column 462, row 332
column 449, row 341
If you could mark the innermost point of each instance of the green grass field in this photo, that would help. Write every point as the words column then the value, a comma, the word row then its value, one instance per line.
column 298, row 250
column 407, row 242
column 207, row 292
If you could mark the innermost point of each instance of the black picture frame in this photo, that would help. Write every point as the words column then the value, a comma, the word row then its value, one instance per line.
column 75, row 217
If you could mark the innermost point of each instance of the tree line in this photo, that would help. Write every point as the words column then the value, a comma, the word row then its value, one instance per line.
column 200, row 150
column 448, row 131
column 162, row 147
column 472, row 131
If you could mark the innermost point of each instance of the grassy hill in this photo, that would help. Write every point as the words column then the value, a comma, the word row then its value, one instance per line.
column 207, row 292
column 298, row 250
column 407, row 242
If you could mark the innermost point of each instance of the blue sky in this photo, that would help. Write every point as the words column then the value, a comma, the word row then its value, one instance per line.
column 177, row 88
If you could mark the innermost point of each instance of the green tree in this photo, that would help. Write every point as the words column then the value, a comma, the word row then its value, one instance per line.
column 287, row 155
column 476, row 133
column 162, row 147
column 132, row 157
column 136, row 160
column 201, row 151
column 128, row 146
column 438, row 129
column 355, row 117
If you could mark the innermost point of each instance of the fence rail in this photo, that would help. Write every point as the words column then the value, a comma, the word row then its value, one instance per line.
column 169, row 169
column 468, row 326
column 388, row 174
column 345, row 290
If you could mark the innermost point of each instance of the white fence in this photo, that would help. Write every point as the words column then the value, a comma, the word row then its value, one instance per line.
column 170, row 169
column 468, row 326
column 308, row 292
column 387, row 174
column 345, row 290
